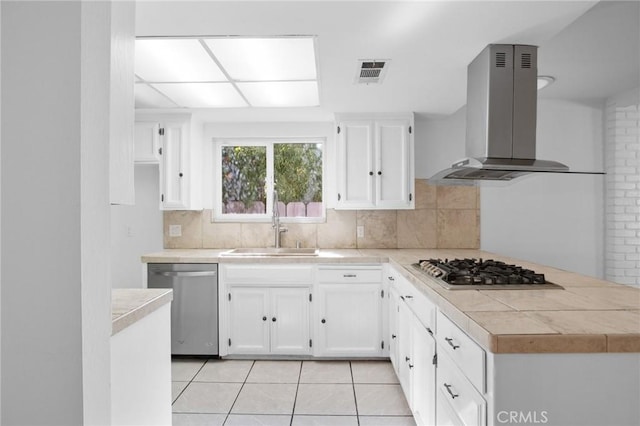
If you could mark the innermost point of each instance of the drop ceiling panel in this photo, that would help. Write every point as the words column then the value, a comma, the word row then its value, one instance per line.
column 281, row 94
column 147, row 97
column 264, row 59
column 202, row 95
column 183, row 60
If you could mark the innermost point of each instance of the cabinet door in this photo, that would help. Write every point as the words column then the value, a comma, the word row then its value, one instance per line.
column 174, row 159
column 423, row 385
column 350, row 319
column 249, row 320
column 355, row 156
column 393, row 164
column 289, row 321
column 405, row 356
column 147, row 142
column 394, row 340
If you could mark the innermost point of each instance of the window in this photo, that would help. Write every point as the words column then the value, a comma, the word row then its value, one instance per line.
column 250, row 171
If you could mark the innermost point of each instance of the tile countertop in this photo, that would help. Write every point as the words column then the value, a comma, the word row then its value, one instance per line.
column 590, row 315
column 129, row 305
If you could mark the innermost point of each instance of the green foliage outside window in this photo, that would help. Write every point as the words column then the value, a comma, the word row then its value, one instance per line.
column 297, row 175
column 298, row 172
column 244, row 174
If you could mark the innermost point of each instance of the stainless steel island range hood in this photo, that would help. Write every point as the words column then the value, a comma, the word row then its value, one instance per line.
column 501, row 118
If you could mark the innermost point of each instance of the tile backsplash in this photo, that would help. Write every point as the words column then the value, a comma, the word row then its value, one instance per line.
column 444, row 217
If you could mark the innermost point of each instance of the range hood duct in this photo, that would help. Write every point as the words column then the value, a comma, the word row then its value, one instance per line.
column 501, row 118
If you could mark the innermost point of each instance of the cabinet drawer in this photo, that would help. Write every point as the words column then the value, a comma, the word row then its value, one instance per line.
column 456, row 392
column 464, row 352
column 350, row 275
column 417, row 302
column 266, row 274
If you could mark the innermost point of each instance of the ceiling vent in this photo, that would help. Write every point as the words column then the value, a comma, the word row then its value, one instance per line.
column 371, row 71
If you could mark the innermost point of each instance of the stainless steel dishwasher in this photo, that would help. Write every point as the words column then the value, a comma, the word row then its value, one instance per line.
column 194, row 311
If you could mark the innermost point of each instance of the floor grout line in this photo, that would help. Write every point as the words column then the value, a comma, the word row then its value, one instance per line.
column 295, row 398
column 355, row 398
column 188, row 383
column 239, row 392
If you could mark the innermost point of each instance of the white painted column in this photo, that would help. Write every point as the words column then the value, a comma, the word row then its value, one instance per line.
column 56, row 305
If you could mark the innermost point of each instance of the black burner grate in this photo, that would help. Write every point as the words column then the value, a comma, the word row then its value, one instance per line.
column 480, row 272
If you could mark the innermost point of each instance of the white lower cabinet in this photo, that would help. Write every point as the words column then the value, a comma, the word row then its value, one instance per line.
column 423, row 375
column 459, row 402
column 349, row 311
column 269, row 320
column 412, row 352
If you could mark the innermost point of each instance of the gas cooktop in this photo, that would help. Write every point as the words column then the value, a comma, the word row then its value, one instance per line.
column 479, row 274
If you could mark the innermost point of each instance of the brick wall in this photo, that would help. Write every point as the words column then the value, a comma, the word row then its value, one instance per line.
column 622, row 207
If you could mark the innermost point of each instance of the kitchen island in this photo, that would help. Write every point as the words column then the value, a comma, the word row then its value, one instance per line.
column 552, row 356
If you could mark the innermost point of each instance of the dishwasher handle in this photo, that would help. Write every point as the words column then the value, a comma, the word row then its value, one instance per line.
column 187, row 274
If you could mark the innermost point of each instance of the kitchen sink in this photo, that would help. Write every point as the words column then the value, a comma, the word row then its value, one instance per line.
column 271, row 251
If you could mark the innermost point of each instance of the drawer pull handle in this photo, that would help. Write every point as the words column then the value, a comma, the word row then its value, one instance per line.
column 410, row 365
column 391, row 279
column 393, row 336
column 453, row 395
column 408, row 297
column 407, row 358
column 450, row 342
column 349, row 275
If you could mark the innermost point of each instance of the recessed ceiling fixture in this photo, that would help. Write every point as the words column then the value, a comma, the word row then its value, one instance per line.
column 371, row 71
column 544, row 81
column 226, row 72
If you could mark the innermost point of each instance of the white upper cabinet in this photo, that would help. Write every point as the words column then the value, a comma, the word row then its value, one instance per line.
column 173, row 142
column 375, row 162
column 147, row 142
column 175, row 173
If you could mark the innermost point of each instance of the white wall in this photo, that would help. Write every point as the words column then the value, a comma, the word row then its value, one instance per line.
column 137, row 229
column 56, row 305
column 556, row 219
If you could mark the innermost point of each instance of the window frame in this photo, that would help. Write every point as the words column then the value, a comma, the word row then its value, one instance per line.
column 268, row 142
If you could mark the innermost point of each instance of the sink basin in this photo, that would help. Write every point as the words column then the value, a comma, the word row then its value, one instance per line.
column 271, row 251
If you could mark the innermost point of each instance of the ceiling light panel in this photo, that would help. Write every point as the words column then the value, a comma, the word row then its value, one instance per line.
column 202, row 95
column 148, row 97
column 281, row 93
column 175, row 60
column 266, row 59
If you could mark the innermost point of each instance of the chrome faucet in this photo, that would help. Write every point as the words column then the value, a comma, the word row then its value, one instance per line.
column 275, row 220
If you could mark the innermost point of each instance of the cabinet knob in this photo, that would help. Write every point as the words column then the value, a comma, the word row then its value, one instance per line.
column 370, row 173
column 323, row 320
column 379, row 173
column 273, row 319
column 180, row 174
column 264, row 318
column 393, row 336
column 407, row 358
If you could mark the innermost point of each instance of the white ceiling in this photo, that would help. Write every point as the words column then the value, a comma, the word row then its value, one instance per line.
column 593, row 51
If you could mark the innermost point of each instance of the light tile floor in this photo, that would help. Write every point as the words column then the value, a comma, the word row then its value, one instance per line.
column 287, row 393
